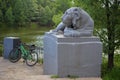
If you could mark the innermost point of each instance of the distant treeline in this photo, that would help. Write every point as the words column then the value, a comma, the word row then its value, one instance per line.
column 43, row 12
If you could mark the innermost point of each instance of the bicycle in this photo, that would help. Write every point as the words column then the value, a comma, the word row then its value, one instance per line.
column 29, row 55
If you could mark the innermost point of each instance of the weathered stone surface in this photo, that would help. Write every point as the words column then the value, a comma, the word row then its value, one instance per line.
column 9, row 44
column 76, row 56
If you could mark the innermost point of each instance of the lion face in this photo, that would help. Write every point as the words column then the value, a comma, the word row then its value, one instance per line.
column 67, row 18
column 70, row 16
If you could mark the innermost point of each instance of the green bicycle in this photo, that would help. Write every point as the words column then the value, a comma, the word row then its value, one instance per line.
column 29, row 55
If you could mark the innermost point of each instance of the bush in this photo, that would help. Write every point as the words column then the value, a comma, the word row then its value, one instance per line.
column 113, row 74
column 57, row 19
column 1, row 50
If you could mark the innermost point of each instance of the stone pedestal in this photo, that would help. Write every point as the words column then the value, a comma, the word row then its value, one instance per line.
column 9, row 44
column 72, row 56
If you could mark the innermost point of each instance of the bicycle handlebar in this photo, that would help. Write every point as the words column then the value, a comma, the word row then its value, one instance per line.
column 28, row 45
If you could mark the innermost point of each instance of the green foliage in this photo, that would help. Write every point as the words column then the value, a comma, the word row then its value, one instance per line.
column 54, row 76
column 1, row 50
column 40, row 61
column 21, row 12
column 9, row 16
column 111, row 74
column 72, row 77
column 17, row 11
column 63, row 5
column 46, row 16
column 44, row 3
column 57, row 18
column 30, row 8
column 1, row 16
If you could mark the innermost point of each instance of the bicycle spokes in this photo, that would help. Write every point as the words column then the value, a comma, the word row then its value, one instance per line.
column 15, row 55
column 32, row 59
column 28, row 54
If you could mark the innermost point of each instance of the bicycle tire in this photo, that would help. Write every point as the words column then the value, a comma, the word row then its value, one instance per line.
column 32, row 58
column 15, row 55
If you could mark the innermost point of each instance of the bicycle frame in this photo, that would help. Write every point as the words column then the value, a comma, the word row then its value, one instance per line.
column 24, row 52
column 29, row 55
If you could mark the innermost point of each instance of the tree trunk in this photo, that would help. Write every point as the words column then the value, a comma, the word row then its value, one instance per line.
column 111, row 23
column 110, row 37
column 110, row 61
column 111, row 46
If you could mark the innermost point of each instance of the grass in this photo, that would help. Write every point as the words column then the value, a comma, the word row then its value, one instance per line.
column 40, row 61
column 54, row 76
column 113, row 74
column 73, row 77
column 1, row 50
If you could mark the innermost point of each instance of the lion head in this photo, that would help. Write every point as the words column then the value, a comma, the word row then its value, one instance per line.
column 71, row 17
column 77, row 18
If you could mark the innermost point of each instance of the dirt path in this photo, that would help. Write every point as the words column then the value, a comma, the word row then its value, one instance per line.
column 17, row 71
column 20, row 71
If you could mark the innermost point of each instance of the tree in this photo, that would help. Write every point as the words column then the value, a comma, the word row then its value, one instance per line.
column 1, row 16
column 45, row 16
column 6, row 9
column 44, row 3
column 112, row 21
column 18, row 11
column 21, row 10
column 9, row 16
column 107, row 23
column 49, row 15
column 62, row 5
column 30, row 8
column 57, row 19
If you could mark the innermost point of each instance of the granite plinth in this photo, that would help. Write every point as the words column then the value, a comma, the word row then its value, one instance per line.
column 72, row 56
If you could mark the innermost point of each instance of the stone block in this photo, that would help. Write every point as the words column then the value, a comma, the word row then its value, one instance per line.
column 75, row 56
column 9, row 44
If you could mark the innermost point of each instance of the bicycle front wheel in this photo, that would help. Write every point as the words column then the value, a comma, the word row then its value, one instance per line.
column 14, row 55
column 32, row 58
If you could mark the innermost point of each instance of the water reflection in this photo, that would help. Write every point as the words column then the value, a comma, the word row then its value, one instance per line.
column 39, row 43
column 38, row 40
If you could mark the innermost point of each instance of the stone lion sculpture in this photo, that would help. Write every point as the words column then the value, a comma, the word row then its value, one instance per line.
column 75, row 23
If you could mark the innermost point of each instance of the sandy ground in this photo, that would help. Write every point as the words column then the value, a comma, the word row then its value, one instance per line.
column 20, row 71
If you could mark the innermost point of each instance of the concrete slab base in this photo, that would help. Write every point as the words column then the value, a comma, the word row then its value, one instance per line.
column 72, row 56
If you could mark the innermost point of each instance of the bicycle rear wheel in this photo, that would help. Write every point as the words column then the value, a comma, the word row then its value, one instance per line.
column 32, row 58
column 14, row 55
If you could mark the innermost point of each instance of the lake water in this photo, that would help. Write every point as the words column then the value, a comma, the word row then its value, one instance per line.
column 29, row 35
